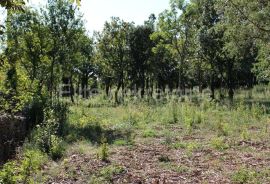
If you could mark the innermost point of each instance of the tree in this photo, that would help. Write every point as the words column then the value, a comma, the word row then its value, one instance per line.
column 253, row 20
column 85, row 67
column 64, row 23
column 113, row 49
column 11, row 5
column 141, row 56
column 210, row 41
column 173, row 33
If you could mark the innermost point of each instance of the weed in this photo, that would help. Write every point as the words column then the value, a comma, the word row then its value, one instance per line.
column 243, row 176
column 57, row 148
column 191, row 146
column 219, row 143
column 174, row 167
column 23, row 170
column 179, row 145
column 149, row 133
column 8, row 173
column 104, row 151
column 174, row 113
column 223, row 129
column 120, row 142
column 106, row 174
column 245, row 135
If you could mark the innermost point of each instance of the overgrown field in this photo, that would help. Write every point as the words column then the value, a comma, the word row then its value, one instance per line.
column 149, row 141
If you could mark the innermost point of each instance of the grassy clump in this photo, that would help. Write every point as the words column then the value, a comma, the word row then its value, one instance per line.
column 104, row 150
column 106, row 174
column 219, row 143
column 149, row 133
column 244, row 176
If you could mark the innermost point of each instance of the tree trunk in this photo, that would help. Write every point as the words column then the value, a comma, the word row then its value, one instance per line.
column 230, row 82
column 51, row 78
column 71, row 89
column 107, row 88
column 85, row 93
column 116, row 92
column 143, row 85
column 212, row 87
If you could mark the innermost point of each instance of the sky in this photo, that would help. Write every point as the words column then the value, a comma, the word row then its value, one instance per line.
column 96, row 12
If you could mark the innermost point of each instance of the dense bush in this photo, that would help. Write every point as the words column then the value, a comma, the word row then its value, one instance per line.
column 46, row 136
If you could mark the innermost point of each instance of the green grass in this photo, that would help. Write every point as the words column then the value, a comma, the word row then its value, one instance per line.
column 178, row 131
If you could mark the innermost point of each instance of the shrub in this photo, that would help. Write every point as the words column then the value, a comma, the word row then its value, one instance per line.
column 57, row 148
column 42, row 136
column 8, row 173
column 30, row 165
column 60, row 111
column 23, row 170
column 34, row 111
column 45, row 136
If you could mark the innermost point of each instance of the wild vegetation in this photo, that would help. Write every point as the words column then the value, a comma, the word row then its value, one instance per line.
column 183, row 98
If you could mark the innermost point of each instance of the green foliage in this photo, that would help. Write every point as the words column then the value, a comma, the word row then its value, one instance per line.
column 120, row 142
column 243, row 176
column 149, row 133
column 23, row 170
column 45, row 136
column 57, row 148
column 8, row 173
column 104, row 150
column 223, row 129
column 106, row 174
column 245, row 135
column 174, row 113
column 12, row 4
column 219, row 143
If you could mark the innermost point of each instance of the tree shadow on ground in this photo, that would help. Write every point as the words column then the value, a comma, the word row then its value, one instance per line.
column 95, row 133
column 265, row 103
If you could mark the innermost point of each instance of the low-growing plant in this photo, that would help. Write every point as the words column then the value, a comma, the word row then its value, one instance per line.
column 8, row 173
column 223, row 129
column 243, row 176
column 149, row 133
column 179, row 145
column 257, row 111
column 245, row 134
column 106, row 174
column 191, row 146
column 120, row 142
column 174, row 113
column 23, row 170
column 45, row 136
column 104, row 150
column 219, row 143
column 193, row 120
column 57, row 148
